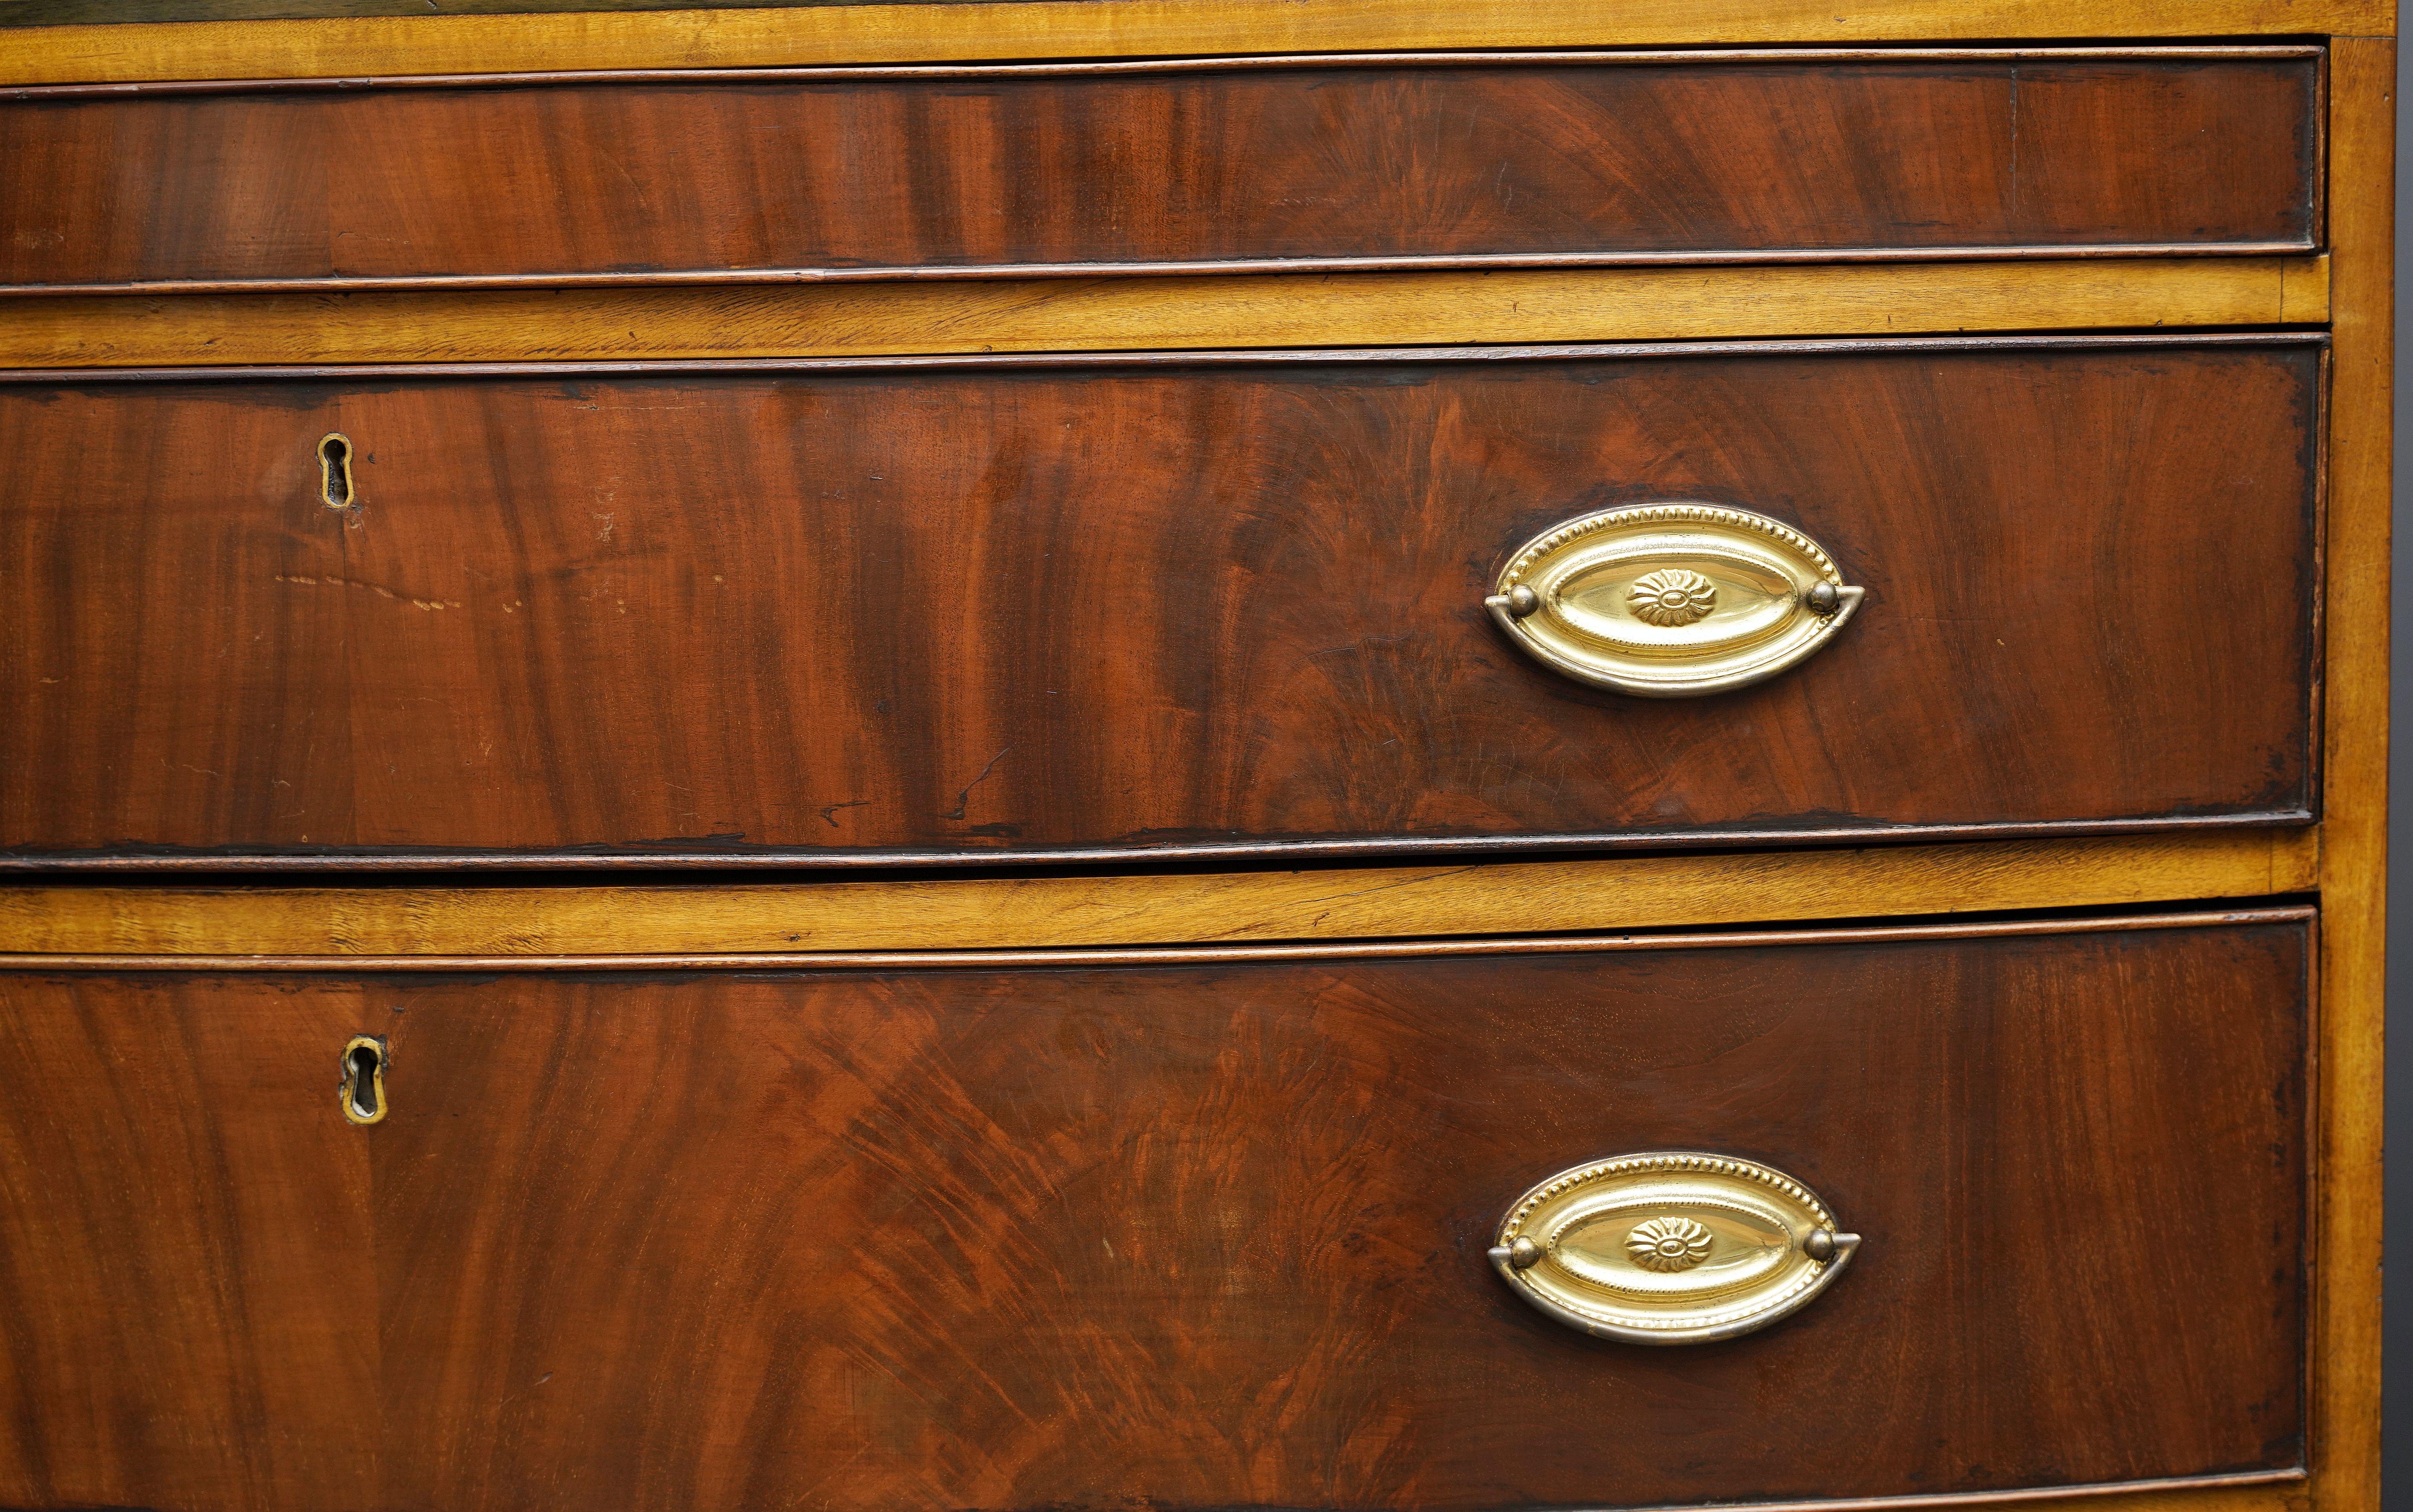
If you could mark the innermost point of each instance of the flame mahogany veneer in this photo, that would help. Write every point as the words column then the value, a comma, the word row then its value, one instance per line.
column 1105, row 163
column 854, row 615
column 1196, row 1236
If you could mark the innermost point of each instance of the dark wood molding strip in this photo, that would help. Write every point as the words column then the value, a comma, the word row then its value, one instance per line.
column 1177, row 956
column 1409, row 849
column 738, row 277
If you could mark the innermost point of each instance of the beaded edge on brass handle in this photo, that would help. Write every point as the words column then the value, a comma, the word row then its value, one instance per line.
column 1672, row 600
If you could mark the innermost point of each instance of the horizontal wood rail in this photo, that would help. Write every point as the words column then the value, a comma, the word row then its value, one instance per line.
column 360, row 45
column 1073, row 314
column 1015, row 913
column 1193, row 955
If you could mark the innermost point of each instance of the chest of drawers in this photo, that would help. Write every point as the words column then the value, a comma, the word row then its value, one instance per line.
column 1102, row 754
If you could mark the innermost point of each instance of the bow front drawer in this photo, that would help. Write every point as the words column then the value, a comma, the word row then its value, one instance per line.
column 1388, row 160
column 1254, row 604
column 1212, row 1233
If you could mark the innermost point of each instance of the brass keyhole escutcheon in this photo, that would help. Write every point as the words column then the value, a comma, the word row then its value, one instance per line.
column 363, row 1098
column 335, row 471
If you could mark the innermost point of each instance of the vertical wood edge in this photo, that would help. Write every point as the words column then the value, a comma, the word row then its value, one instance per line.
column 2345, row 1368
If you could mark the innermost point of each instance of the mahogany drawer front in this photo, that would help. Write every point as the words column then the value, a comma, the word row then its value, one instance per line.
column 1204, row 1234
column 862, row 614
column 1464, row 158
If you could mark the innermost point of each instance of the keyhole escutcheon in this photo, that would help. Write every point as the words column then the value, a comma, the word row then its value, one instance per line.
column 363, row 1093
column 335, row 469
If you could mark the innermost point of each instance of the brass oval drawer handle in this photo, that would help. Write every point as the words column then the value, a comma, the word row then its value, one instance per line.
column 1670, row 1247
column 1672, row 600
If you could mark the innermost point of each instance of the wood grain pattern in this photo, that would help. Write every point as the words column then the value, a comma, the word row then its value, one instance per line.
column 356, row 47
column 187, row 1285
column 1601, row 157
column 1395, row 901
column 1026, row 1238
column 1071, row 315
column 868, row 614
column 2354, row 867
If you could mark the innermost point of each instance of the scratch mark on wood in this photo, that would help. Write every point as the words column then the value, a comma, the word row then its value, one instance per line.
column 379, row 590
column 964, row 799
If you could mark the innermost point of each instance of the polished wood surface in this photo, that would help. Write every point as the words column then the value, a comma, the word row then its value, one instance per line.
column 1153, row 908
column 1206, row 1236
column 175, row 1404
column 2354, row 862
column 1123, row 609
column 1534, row 157
column 418, row 43
column 188, row 1274
column 1073, row 314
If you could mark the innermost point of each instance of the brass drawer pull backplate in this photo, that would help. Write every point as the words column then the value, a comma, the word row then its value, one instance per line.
column 1672, row 600
column 1670, row 1247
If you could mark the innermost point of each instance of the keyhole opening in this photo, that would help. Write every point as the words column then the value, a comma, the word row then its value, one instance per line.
column 335, row 469
column 365, row 1070
column 363, row 1093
